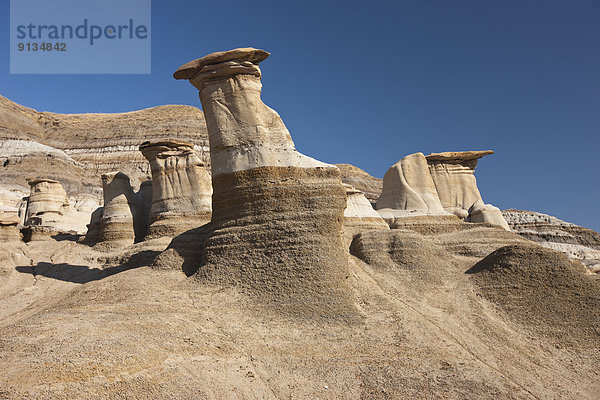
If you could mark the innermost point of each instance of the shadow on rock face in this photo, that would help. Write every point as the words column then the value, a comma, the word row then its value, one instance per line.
column 84, row 274
column 185, row 251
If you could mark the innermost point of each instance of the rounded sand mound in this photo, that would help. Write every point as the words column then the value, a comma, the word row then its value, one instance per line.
column 544, row 291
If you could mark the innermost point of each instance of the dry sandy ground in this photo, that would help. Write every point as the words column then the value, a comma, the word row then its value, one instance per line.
column 79, row 324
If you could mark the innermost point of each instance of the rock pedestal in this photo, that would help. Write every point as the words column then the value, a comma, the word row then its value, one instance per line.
column 47, row 203
column 277, row 214
column 122, row 222
column 181, row 188
column 437, row 185
column 454, row 176
column 408, row 189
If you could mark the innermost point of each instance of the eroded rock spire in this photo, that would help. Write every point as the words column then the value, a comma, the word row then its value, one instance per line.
column 277, row 214
column 181, row 188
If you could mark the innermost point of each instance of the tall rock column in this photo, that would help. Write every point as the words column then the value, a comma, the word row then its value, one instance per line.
column 181, row 188
column 277, row 214
column 47, row 203
column 122, row 222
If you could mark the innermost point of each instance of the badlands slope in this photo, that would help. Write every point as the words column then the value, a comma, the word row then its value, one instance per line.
column 435, row 320
column 439, row 308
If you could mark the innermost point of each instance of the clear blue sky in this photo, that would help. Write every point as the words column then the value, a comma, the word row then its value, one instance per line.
column 367, row 83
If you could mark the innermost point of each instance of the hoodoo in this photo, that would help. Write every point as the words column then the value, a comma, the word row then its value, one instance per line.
column 276, row 228
column 408, row 189
column 47, row 203
column 181, row 188
column 453, row 173
column 123, row 221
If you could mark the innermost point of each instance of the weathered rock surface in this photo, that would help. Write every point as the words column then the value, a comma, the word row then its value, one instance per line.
column 370, row 186
column 551, row 232
column 49, row 206
column 181, row 188
column 408, row 189
column 439, row 184
column 124, row 219
column 9, row 227
column 47, row 203
column 453, row 174
column 116, row 329
column 486, row 213
column 538, row 287
column 76, row 149
column 359, row 215
column 277, row 214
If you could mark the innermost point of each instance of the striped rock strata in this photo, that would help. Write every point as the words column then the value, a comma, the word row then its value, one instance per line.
column 408, row 189
column 9, row 227
column 454, row 176
column 551, row 232
column 277, row 214
column 181, row 188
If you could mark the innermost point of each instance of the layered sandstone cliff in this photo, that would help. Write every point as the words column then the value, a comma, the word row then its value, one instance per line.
column 277, row 214
column 370, row 186
column 76, row 149
column 551, row 232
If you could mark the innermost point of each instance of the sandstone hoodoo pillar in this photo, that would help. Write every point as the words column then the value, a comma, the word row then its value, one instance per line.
column 277, row 214
column 47, row 203
column 181, row 188
column 408, row 189
column 454, row 176
column 120, row 211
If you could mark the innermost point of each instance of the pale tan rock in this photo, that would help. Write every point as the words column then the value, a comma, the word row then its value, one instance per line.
column 454, row 179
column 370, row 186
column 124, row 220
column 9, row 227
column 486, row 213
column 75, row 149
column 226, row 91
column 359, row 215
column 276, row 228
column 359, row 212
column 454, row 176
column 409, row 190
column 181, row 188
column 11, row 201
column 47, row 203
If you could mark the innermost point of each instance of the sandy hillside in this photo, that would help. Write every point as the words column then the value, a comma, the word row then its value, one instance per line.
column 431, row 323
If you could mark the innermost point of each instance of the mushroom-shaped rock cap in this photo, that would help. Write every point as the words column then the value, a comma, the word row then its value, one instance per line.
column 458, row 155
column 187, row 71
column 35, row 181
